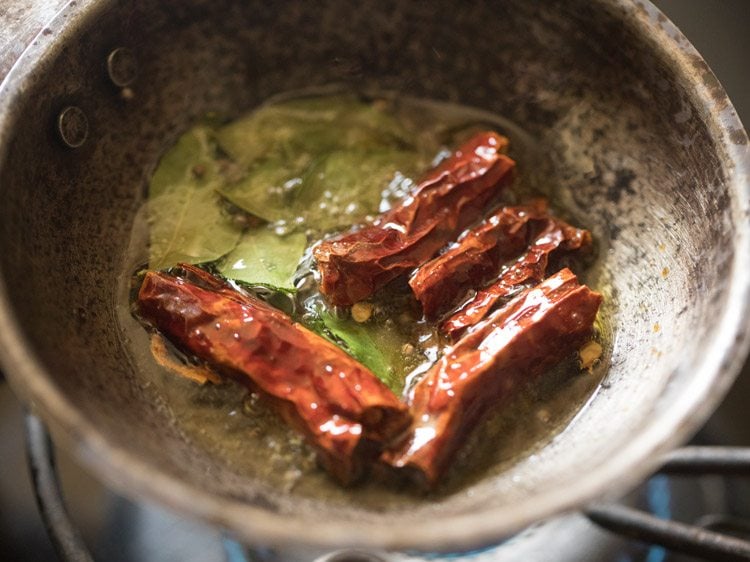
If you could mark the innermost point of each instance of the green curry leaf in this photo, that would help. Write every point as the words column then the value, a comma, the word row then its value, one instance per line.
column 268, row 190
column 264, row 258
column 187, row 223
column 346, row 185
column 317, row 163
column 313, row 125
column 374, row 345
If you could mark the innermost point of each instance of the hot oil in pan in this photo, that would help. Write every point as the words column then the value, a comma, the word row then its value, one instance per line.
column 240, row 431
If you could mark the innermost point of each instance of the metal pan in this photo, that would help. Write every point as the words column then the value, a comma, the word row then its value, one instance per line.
column 639, row 137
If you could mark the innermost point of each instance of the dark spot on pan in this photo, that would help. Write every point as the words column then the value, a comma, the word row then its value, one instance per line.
column 642, row 8
column 46, row 31
column 740, row 336
column 613, row 228
column 614, row 231
column 348, row 66
column 623, row 184
column 738, row 136
column 710, row 81
column 261, row 502
column 722, row 200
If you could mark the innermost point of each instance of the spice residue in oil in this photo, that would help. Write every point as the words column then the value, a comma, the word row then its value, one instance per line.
column 386, row 332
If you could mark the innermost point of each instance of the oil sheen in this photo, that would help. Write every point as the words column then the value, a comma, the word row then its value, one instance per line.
column 240, row 431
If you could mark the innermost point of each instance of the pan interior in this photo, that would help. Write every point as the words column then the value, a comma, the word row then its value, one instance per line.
column 620, row 131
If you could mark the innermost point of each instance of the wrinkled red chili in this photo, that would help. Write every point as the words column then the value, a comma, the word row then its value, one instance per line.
column 476, row 258
column 527, row 270
column 340, row 406
column 449, row 198
column 537, row 329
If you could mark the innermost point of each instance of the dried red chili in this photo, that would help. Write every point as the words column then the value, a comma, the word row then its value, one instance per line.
column 476, row 258
column 344, row 411
column 455, row 194
column 520, row 341
column 529, row 269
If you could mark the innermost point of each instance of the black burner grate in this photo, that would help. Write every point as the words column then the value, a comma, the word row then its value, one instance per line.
column 64, row 535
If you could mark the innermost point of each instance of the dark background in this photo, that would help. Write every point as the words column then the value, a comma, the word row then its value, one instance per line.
column 720, row 30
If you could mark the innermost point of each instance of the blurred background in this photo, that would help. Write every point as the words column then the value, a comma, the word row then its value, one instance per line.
column 720, row 30
column 118, row 530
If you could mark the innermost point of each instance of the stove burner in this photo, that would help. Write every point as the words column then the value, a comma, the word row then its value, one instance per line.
column 717, row 537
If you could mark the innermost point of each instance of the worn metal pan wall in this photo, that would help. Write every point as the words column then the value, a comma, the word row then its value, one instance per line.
column 638, row 134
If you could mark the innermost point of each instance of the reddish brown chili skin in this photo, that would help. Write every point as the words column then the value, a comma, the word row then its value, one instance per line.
column 338, row 404
column 528, row 270
column 475, row 259
column 535, row 330
column 455, row 194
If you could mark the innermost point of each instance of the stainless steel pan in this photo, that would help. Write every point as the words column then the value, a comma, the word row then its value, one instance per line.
column 636, row 131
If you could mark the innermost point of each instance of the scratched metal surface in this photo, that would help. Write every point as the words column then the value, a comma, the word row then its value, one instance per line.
column 113, row 527
column 637, row 131
column 20, row 22
column 26, row 24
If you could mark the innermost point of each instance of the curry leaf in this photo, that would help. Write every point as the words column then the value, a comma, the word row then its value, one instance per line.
column 316, row 163
column 346, row 185
column 264, row 258
column 315, row 125
column 187, row 223
column 374, row 345
column 267, row 191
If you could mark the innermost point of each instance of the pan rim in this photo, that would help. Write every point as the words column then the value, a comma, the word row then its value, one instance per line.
column 137, row 477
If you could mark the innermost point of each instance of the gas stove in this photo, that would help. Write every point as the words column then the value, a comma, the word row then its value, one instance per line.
column 709, row 488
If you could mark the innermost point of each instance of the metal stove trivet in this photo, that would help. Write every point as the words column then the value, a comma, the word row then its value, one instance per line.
column 714, row 538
